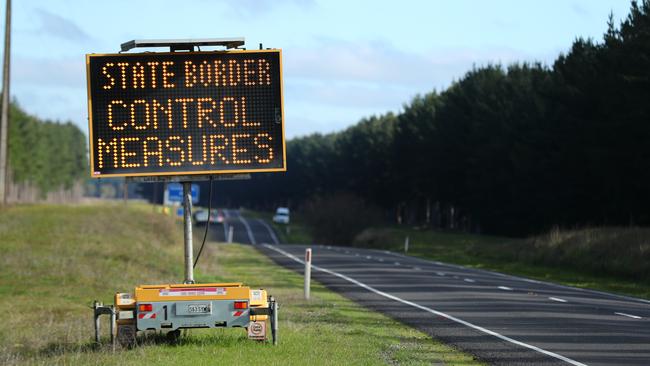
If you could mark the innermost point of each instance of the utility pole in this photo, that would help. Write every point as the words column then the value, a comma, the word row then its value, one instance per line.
column 4, row 120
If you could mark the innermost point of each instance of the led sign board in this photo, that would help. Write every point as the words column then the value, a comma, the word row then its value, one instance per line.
column 185, row 113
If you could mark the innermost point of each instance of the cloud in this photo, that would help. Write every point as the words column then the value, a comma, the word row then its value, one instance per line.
column 346, row 94
column 381, row 63
column 335, row 83
column 377, row 75
column 261, row 7
column 68, row 72
column 60, row 27
column 580, row 10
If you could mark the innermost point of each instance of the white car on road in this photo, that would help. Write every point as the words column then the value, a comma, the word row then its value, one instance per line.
column 281, row 216
column 216, row 216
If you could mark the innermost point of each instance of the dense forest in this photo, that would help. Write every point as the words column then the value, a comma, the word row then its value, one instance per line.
column 48, row 155
column 507, row 150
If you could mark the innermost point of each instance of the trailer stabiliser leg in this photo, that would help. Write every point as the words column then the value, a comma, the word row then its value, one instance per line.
column 98, row 310
column 274, row 320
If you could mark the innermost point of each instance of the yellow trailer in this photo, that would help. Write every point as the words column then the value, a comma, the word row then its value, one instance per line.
column 173, row 307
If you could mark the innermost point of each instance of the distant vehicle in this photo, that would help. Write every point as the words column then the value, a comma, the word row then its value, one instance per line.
column 281, row 216
column 201, row 216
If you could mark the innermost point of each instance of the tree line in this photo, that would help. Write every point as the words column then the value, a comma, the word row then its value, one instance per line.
column 46, row 154
column 508, row 150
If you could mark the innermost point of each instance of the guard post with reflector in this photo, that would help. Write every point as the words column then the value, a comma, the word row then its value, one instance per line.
column 307, row 273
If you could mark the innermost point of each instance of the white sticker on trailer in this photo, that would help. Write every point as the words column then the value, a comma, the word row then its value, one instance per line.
column 202, row 291
column 256, row 295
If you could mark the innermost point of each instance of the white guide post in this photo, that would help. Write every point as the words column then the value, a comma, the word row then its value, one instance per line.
column 307, row 272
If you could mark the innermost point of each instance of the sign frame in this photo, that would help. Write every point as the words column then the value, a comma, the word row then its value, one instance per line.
column 91, row 145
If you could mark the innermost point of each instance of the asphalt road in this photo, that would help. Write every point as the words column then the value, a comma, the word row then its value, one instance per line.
column 504, row 320
column 245, row 230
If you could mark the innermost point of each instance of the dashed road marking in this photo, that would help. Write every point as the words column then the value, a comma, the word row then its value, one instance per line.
column 396, row 263
column 629, row 315
column 469, row 280
column 440, row 274
column 504, row 288
column 432, row 311
column 557, row 299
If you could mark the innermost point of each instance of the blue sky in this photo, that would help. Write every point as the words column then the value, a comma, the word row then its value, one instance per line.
column 343, row 60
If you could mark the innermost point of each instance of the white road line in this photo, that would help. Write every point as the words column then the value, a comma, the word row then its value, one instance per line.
column 504, row 288
column 432, row 311
column 381, row 259
column 248, row 229
column 396, row 263
column 356, row 254
column 440, row 274
column 417, row 268
column 469, row 280
column 629, row 315
column 368, row 257
column 557, row 299
column 275, row 238
column 347, row 252
column 550, row 284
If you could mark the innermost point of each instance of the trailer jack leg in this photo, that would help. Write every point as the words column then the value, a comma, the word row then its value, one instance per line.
column 98, row 310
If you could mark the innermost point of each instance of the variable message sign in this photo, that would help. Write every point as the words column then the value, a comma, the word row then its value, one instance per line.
column 185, row 113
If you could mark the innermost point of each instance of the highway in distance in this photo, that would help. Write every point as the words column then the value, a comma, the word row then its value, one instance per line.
column 502, row 319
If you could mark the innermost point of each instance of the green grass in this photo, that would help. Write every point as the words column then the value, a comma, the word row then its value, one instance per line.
column 584, row 258
column 57, row 259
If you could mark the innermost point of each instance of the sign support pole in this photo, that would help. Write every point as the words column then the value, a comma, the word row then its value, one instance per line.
column 187, row 225
column 4, row 119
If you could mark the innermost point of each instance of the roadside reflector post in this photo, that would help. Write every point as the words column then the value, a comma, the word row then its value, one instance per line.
column 406, row 245
column 307, row 272
column 187, row 224
column 231, row 232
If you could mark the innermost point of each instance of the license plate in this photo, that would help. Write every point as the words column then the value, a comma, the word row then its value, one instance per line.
column 198, row 308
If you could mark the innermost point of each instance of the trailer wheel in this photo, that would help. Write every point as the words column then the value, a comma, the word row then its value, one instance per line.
column 126, row 335
column 173, row 336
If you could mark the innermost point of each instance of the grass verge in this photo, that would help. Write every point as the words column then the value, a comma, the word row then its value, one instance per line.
column 57, row 259
column 586, row 258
